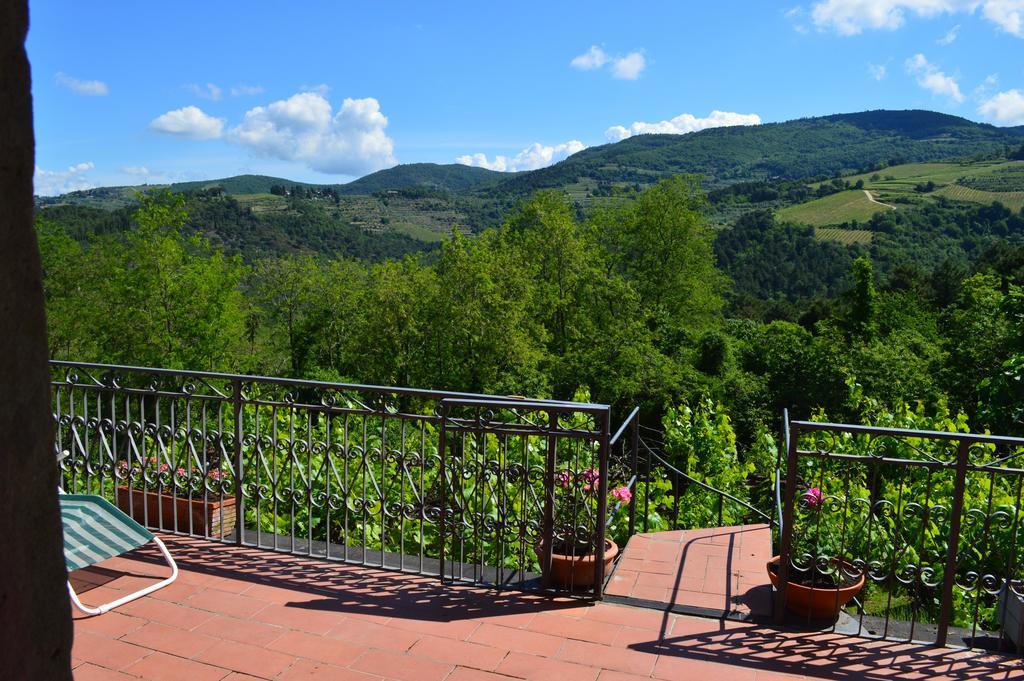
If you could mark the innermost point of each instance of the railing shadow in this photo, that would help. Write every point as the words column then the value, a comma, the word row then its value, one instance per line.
column 825, row 654
column 316, row 584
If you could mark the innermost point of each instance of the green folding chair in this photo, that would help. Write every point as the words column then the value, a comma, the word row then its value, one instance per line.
column 95, row 530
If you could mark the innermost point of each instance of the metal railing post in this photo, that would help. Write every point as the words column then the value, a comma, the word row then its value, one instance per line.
column 635, row 444
column 236, row 407
column 647, row 489
column 602, row 503
column 443, row 515
column 949, row 576
column 548, row 528
column 786, row 540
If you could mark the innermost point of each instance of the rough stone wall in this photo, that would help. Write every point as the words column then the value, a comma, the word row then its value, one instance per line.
column 35, row 617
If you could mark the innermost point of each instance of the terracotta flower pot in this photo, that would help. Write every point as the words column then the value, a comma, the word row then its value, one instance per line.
column 212, row 518
column 815, row 602
column 573, row 572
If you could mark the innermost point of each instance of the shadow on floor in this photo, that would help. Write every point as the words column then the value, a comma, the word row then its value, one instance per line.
column 338, row 587
column 828, row 655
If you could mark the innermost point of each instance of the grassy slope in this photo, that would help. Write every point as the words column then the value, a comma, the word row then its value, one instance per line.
column 833, row 209
column 897, row 185
column 843, row 236
column 1012, row 200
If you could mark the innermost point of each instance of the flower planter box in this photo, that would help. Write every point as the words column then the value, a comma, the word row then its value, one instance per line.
column 1010, row 615
column 815, row 602
column 573, row 572
column 158, row 511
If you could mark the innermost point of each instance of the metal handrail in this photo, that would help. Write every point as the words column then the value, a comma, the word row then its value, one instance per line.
column 704, row 485
column 904, row 433
column 333, row 385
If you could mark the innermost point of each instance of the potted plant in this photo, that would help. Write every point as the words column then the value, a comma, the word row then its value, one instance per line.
column 181, row 500
column 815, row 592
column 570, row 563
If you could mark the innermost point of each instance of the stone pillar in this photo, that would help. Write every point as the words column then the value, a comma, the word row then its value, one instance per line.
column 35, row 616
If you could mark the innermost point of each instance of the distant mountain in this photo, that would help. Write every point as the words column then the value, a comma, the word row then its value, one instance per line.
column 806, row 147
column 453, row 177
column 239, row 184
column 473, row 198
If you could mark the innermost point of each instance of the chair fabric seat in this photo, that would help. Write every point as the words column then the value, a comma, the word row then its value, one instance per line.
column 95, row 530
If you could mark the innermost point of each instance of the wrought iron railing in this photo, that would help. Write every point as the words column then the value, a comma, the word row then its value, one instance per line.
column 467, row 487
column 930, row 520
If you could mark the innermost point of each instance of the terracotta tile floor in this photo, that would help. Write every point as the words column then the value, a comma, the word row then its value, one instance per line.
column 238, row 613
column 716, row 572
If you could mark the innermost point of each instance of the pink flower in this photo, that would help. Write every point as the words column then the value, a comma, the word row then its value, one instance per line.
column 562, row 479
column 591, row 480
column 622, row 494
column 814, row 496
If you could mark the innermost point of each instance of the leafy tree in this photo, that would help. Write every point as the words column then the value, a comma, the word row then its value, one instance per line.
column 863, row 300
column 662, row 244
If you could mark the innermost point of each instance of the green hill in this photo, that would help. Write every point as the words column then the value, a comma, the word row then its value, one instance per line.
column 453, row 177
column 802, row 148
column 239, row 184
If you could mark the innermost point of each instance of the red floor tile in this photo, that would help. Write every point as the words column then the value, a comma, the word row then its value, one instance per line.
column 373, row 636
column 317, row 648
column 106, row 652
column 243, row 631
column 170, row 640
column 308, row 670
column 535, row 668
column 475, row 655
column 248, row 659
column 519, row 640
column 163, row 667
column 91, row 672
column 401, row 666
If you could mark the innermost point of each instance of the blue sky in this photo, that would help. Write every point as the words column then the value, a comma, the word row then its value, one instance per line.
column 126, row 93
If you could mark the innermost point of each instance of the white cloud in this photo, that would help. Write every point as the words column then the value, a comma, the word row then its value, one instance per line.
column 878, row 71
column 94, row 88
column 1007, row 15
column 682, row 124
column 594, row 58
column 321, row 89
column 535, row 156
column 932, row 79
column 304, row 128
column 135, row 170
column 629, row 67
column 190, row 122
column 1006, row 108
column 950, row 36
column 245, row 90
column 987, row 86
column 850, row 17
column 209, row 91
column 626, row 67
column 55, row 182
